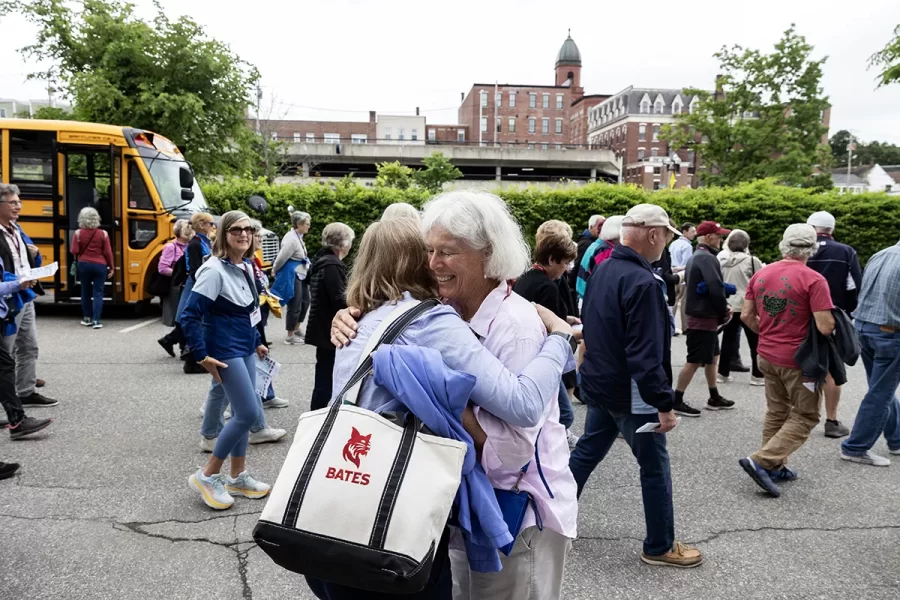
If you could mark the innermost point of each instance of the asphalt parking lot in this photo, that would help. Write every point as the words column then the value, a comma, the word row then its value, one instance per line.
column 101, row 508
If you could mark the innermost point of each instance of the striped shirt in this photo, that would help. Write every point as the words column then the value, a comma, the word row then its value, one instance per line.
column 879, row 297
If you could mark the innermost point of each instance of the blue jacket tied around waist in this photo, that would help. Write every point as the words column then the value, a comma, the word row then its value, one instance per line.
column 420, row 382
column 283, row 287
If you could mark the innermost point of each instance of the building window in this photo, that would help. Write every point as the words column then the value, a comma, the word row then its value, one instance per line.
column 532, row 100
column 498, row 99
column 531, row 124
column 677, row 108
column 511, row 125
column 531, row 146
column 414, row 134
column 654, row 152
column 692, row 106
column 332, row 138
column 545, row 126
column 275, row 136
column 359, row 138
column 559, row 102
column 642, row 133
column 310, row 137
column 545, row 146
column 656, row 170
column 432, row 135
column 645, row 107
column 2, row 113
column 558, row 126
column 655, row 185
column 401, row 134
column 297, row 137
column 658, row 107
column 656, row 133
column 512, row 99
column 484, row 99
column 484, row 125
column 460, row 135
column 387, row 133
column 545, row 100
column 690, row 156
column 559, row 146
column 640, row 154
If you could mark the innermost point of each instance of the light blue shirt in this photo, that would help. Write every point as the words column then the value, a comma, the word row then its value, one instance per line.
column 681, row 251
column 879, row 296
column 518, row 400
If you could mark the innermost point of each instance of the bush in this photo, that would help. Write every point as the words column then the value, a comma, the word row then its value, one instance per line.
column 868, row 222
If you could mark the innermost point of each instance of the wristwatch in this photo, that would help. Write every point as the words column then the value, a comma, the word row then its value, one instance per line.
column 570, row 339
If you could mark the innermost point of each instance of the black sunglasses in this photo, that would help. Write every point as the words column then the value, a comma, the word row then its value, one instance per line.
column 236, row 231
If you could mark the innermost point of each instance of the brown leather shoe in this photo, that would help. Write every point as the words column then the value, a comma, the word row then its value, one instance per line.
column 681, row 556
column 40, row 383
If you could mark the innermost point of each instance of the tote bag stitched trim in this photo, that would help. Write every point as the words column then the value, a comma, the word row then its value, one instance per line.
column 392, row 487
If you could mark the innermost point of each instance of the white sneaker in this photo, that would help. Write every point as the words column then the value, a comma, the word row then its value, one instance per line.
column 276, row 402
column 227, row 413
column 269, row 434
column 869, row 458
column 203, row 409
column 572, row 439
column 758, row 381
column 294, row 340
column 897, row 451
column 245, row 485
column 212, row 490
column 207, row 444
column 722, row 379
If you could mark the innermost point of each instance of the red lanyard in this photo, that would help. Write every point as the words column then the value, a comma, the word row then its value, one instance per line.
column 538, row 267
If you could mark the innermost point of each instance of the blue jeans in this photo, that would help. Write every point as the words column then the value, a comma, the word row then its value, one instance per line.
column 239, row 385
column 214, row 414
column 566, row 414
column 879, row 411
column 92, row 277
column 601, row 427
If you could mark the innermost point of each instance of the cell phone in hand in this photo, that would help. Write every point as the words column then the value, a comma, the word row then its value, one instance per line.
column 578, row 327
column 651, row 427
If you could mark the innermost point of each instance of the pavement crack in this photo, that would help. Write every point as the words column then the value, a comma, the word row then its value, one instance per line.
column 718, row 534
column 59, row 518
column 137, row 528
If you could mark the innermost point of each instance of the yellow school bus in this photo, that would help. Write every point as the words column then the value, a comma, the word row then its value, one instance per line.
column 137, row 180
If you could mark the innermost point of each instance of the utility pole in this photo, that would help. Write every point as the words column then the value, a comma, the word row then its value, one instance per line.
column 258, row 103
column 850, row 148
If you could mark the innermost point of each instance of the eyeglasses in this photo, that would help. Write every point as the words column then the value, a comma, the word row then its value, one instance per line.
column 236, row 231
column 11, row 202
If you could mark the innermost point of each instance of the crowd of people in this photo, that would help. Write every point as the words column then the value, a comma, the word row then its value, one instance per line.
column 591, row 319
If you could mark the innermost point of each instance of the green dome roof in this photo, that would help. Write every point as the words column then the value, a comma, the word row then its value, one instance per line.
column 569, row 53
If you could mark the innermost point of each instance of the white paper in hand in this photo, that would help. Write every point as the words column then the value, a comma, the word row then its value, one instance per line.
column 651, row 427
column 266, row 372
column 40, row 272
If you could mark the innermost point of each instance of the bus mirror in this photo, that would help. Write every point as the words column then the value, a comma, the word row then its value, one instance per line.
column 258, row 204
column 187, row 195
column 186, row 178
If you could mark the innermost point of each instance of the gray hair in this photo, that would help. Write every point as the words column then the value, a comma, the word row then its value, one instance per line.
column 337, row 236
column 483, row 222
column 401, row 210
column 8, row 189
column 88, row 218
column 178, row 228
column 738, row 240
column 298, row 216
column 798, row 252
column 593, row 220
column 612, row 229
column 256, row 224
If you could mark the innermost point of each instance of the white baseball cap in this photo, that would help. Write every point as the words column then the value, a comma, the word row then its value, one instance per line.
column 648, row 215
column 821, row 219
column 800, row 235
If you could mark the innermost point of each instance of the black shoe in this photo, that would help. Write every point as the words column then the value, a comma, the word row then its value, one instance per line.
column 167, row 345
column 7, row 470
column 192, row 368
column 28, row 426
column 685, row 410
column 719, row 403
column 3, row 422
column 36, row 400
column 739, row 368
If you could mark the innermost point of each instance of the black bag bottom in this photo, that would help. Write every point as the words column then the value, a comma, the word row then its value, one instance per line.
column 341, row 562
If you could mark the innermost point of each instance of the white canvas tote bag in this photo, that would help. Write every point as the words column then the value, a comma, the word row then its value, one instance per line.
column 361, row 500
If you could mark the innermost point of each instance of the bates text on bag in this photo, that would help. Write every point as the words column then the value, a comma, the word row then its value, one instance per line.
column 356, row 446
column 347, row 475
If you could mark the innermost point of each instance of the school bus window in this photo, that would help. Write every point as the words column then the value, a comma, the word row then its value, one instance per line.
column 138, row 196
column 31, row 162
column 141, row 233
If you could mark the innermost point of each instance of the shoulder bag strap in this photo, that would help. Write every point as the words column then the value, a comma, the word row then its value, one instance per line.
column 386, row 333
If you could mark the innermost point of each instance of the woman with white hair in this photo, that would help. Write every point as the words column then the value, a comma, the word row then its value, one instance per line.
column 738, row 266
column 400, row 210
column 328, row 291
column 91, row 248
column 293, row 257
column 475, row 248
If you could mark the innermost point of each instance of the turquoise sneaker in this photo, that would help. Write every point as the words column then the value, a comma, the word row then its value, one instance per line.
column 212, row 489
column 245, row 485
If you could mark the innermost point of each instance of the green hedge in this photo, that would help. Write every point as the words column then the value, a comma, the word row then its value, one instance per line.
column 869, row 222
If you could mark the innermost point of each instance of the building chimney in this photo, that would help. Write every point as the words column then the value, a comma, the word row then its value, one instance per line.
column 720, row 88
column 417, row 111
column 462, row 96
column 371, row 116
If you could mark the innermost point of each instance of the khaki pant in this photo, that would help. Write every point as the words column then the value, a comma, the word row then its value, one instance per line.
column 680, row 299
column 532, row 571
column 792, row 412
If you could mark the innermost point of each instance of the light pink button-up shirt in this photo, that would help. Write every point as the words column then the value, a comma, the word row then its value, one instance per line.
column 510, row 329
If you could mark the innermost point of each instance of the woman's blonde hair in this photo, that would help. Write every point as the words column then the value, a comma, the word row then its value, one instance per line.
column 553, row 226
column 198, row 218
column 220, row 245
column 89, row 218
column 392, row 259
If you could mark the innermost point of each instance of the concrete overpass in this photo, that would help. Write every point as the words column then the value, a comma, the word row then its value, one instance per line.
column 476, row 162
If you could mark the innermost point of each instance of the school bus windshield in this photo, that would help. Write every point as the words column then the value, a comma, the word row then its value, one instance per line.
column 164, row 170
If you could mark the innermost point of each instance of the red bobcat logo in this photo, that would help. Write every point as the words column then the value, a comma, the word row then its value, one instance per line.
column 357, row 445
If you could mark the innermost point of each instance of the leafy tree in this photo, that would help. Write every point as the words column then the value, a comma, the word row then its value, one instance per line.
column 394, row 175
column 162, row 75
column 866, row 153
column 764, row 120
column 438, row 171
column 888, row 60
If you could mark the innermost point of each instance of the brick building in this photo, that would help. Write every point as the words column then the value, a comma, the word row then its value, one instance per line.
column 347, row 132
column 533, row 116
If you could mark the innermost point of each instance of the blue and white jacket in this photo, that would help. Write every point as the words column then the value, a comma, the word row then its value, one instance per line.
column 216, row 318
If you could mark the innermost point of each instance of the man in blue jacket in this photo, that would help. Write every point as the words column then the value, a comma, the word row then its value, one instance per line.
column 628, row 340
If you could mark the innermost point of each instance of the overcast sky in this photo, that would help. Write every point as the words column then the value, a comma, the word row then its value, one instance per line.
column 337, row 60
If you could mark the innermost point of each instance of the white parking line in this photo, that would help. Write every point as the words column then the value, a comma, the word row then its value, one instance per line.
column 138, row 326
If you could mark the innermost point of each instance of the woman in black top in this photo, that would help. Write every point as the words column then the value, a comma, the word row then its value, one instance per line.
column 328, row 284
